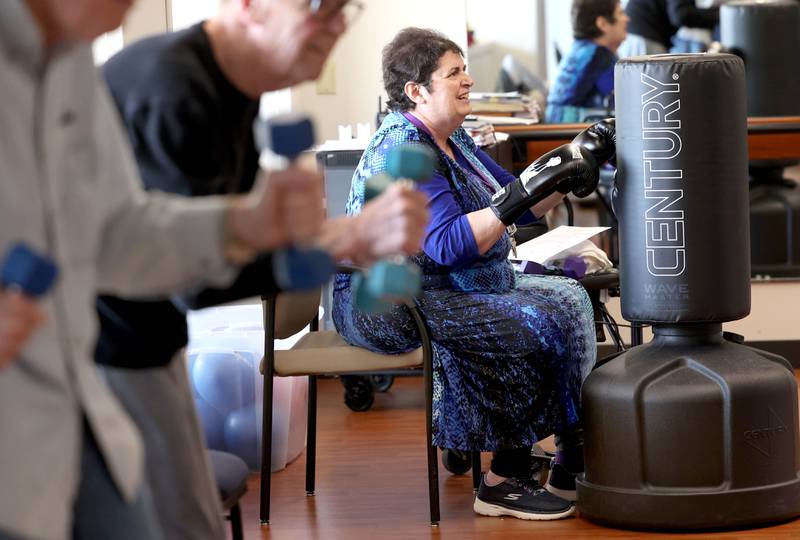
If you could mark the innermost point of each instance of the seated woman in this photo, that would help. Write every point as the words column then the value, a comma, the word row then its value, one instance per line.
column 585, row 77
column 510, row 350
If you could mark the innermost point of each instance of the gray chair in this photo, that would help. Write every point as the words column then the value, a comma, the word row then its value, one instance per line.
column 231, row 474
column 326, row 353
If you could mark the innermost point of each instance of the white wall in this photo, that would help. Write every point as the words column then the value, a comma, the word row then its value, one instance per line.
column 107, row 45
column 357, row 59
column 504, row 27
column 145, row 18
column 148, row 17
column 183, row 13
column 558, row 31
column 508, row 22
column 528, row 28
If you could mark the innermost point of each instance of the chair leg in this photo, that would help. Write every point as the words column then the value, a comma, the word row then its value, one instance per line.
column 433, row 459
column 266, row 423
column 311, row 435
column 237, row 533
column 266, row 450
column 433, row 484
column 476, row 471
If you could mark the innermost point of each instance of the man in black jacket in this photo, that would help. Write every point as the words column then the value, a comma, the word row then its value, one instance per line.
column 188, row 101
column 653, row 23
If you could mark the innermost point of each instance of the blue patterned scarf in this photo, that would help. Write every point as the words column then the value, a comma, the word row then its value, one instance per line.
column 491, row 272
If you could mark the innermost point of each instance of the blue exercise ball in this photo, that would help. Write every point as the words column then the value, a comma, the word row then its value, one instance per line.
column 224, row 380
column 212, row 422
column 190, row 358
column 241, row 436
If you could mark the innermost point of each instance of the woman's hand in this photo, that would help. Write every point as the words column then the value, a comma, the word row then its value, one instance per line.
column 393, row 223
column 570, row 167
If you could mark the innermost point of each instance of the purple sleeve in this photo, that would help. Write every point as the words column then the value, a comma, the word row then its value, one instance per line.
column 500, row 174
column 504, row 178
column 448, row 238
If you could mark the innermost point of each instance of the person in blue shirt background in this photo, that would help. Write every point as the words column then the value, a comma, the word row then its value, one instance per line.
column 585, row 76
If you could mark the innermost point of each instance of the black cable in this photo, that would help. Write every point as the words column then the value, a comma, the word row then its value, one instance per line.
column 613, row 329
column 615, row 323
column 570, row 212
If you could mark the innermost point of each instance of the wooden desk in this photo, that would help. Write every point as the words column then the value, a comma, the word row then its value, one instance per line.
column 768, row 138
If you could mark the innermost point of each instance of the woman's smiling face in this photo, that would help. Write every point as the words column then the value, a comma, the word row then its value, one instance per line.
column 447, row 101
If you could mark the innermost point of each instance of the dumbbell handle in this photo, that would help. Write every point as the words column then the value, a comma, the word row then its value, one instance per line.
column 25, row 270
column 298, row 267
column 393, row 279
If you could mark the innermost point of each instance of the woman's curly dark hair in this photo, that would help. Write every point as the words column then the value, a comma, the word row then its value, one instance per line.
column 413, row 55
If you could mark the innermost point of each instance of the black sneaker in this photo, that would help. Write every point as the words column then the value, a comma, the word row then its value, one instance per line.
column 520, row 499
column 561, row 482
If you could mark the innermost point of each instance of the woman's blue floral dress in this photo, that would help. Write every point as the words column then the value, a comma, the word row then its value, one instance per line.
column 510, row 350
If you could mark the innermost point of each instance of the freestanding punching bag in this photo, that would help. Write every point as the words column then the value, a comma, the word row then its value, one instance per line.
column 691, row 430
column 766, row 34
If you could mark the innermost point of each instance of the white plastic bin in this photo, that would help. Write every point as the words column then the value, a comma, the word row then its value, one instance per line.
column 226, row 345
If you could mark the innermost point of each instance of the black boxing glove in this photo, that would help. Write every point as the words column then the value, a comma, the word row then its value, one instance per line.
column 601, row 140
column 569, row 167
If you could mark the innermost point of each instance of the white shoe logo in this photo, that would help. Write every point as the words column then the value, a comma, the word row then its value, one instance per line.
column 513, row 496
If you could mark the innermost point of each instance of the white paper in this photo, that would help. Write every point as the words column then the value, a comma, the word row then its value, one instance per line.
column 554, row 242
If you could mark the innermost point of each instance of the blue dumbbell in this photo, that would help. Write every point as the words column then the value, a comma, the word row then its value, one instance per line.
column 29, row 272
column 394, row 280
column 293, row 268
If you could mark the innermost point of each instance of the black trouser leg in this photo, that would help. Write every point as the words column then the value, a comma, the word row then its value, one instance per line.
column 513, row 463
column 569, row 444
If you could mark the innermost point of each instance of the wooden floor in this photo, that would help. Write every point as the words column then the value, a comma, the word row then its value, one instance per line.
column 371, row 483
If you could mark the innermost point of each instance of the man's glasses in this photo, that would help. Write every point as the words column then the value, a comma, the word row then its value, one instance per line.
column 327, row 9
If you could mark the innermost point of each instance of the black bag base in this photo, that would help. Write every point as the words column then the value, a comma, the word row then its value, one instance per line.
column 691, row 432
column 689, row 511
